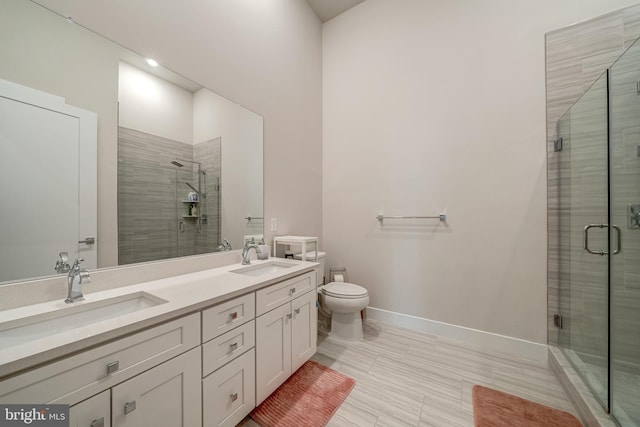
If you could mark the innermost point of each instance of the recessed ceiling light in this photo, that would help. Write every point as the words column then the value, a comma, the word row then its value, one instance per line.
column 152, row 62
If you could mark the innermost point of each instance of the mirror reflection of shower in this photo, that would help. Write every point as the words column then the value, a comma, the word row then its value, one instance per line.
column 200, row 216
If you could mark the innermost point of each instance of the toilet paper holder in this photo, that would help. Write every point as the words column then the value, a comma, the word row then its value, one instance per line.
column 340, row 271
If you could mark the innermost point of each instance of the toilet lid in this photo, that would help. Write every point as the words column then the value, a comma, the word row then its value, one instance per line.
column 344, row 290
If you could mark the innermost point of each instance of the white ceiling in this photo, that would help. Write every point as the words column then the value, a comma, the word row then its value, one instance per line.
column 329, row 9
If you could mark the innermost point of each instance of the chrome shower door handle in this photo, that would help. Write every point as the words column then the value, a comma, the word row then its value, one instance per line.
column 586, row 239
column 602, row 252
column 181, row 226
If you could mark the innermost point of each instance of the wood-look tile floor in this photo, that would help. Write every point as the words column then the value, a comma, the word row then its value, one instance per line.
column 408, row 378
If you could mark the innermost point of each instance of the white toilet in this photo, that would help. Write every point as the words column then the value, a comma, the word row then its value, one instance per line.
column 345, row 301
column 342, row 301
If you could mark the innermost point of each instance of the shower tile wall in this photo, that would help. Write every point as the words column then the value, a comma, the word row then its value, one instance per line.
column 147, row 208
column 209, row 154
column 575, row 57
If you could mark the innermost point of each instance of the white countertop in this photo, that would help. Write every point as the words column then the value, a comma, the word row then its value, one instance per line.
column 184, row 294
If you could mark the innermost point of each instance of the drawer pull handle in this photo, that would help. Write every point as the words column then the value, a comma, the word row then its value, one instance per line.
column 289, row 316
column 129, row 407
column 233, row 346
column 292, row 291
column 234, row 397
column 297, row 310
column 233, row 316
column 97, row 422
column 113, row 367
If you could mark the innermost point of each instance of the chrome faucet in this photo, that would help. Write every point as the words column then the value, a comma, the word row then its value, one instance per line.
column 246, row 252
column 62, row 265
column 77, row 277
column 226, row 246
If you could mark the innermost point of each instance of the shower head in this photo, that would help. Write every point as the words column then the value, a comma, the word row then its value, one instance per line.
column 176, row 163
column 180, row 161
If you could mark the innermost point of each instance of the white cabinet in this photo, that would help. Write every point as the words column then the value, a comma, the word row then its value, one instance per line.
column 76, row 378
column 99, row 382
column 167, row 395
column 273, row 345
column 228, row 362
column 304, row 329
column 229, row 393
column 285, row 339
column 275, row 295
column 208, row 368
column 93, row 412
column 228, row 315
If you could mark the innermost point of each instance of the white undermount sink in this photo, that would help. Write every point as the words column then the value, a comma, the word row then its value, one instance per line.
column 261, row 269
column 72, row 316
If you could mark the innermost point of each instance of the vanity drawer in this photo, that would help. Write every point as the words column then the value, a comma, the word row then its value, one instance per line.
column 275, row 295
column 95, row 411
column 227, row 347
column 228, row 395
column 79, row 377
column 223, row 317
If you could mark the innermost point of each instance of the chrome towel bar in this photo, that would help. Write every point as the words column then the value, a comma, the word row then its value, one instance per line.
column 442, row 217
column 249, row 218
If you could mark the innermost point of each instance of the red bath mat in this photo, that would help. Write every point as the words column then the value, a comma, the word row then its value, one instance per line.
column 493, row 408
column 309, row 398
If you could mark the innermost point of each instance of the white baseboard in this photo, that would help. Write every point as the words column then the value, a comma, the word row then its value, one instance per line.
column 482, row 340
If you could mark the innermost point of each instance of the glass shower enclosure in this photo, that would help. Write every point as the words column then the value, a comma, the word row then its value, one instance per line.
column 599, row 243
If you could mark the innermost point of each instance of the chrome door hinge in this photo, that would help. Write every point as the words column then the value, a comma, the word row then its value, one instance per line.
column 557, row 145
column 557, row 321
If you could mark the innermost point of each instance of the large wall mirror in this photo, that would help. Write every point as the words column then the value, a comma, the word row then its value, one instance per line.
column 111, row 158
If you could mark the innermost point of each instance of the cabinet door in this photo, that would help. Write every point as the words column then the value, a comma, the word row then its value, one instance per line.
column 273, row 350
column 93, row 412
column 167, row 395
column 228, row 395
column 303, row 329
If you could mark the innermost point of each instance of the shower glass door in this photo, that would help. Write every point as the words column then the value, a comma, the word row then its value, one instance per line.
column 624, row 106
column 583, row 197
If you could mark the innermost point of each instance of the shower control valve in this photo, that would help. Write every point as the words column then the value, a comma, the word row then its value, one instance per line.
column 633, row 215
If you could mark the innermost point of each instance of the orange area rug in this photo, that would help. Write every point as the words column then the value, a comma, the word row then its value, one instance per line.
column 309, row 398
column 492, row 408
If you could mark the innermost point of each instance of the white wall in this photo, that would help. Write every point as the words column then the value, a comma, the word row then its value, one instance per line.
column 153, row 105
column 242, row 160
column 265, row 55
column 435, row 106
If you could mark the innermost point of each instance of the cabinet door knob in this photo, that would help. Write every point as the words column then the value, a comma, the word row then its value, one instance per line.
column 113, row 367
column 233, row 346
column 292, row 291
column 99, row 422
column 129, row 407
column 297, row 310
column 233, row 316
column 289, row 316
column 234, row 397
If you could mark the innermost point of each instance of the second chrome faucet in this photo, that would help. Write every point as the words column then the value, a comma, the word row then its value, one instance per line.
column 76, row 278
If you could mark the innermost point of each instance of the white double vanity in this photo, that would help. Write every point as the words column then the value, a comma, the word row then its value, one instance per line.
column 199, row 349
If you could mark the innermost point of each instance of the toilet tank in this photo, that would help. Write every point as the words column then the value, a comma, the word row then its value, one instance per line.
column 319, row 269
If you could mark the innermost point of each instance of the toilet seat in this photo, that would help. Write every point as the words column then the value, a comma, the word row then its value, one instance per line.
column 344, row 290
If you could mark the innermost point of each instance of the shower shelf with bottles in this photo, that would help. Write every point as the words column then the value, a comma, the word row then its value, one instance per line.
column 192, row 204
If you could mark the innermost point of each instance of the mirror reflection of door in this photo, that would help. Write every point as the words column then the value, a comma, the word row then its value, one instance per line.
column 40, row 168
